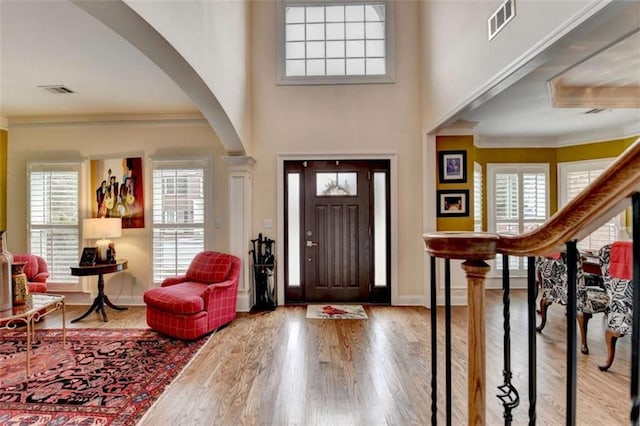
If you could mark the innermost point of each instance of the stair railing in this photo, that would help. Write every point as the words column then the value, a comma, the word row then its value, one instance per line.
column 604, row 198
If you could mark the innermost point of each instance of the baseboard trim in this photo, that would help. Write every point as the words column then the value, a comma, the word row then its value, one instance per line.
column 414, row 300
column 244, row 302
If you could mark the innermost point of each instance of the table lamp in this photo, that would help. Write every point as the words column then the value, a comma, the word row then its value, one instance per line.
column 102, row 229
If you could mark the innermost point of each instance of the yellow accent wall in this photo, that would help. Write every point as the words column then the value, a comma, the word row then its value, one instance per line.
column 455, row 143
column 593, row 151
column 4, row 140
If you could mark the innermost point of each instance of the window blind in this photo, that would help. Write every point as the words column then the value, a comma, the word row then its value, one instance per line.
column 477, row 197
column 178, row 219
column 518, row 202
column 53, row 220
column 575, row 182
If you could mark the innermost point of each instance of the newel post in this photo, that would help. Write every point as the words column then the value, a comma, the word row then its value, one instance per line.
column 476, row 271
column 474, row 249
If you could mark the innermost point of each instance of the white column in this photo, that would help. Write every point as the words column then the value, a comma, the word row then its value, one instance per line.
column 239, row 168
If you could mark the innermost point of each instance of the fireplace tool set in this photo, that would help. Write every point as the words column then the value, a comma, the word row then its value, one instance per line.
column 264, row 264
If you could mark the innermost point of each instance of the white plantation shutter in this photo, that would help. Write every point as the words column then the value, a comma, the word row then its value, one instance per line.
column 574, row 178
column 518, row 201
column 477, row 197
column 534, row 200
column 178, row 215
column 53, row 217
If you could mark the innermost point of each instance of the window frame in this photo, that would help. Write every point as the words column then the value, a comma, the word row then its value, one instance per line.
column 183, row 163
column 563, row 170
column 72, row 283
column 388, row 77
column 519, row 168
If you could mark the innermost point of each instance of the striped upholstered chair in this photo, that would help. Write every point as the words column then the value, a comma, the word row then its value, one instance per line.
column 616, row 264
column 590, row 299
column 203, row 299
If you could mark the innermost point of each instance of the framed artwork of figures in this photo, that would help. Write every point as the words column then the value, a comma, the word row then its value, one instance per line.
column 117, row 190
column 452, row 166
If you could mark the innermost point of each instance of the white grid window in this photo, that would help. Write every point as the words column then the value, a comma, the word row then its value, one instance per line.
column 53, row 217
column 334, row 42
column 477, row 197
column 179, row 211
column 518, row 202
column 576, row 176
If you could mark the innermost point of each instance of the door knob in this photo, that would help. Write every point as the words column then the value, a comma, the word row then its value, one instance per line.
column 311, row 243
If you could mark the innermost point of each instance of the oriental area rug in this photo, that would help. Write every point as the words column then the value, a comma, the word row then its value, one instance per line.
column 101, row 377
column 336, row 312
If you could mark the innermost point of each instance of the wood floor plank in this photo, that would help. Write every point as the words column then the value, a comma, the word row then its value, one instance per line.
column 280, row 368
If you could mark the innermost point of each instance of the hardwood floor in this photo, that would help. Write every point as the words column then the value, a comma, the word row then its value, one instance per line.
column 279, row 368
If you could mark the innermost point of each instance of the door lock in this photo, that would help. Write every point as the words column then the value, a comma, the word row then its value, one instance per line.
column 311, row 243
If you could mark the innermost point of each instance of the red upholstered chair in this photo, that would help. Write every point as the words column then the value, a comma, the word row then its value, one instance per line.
column 36, row 270
column 198, row 302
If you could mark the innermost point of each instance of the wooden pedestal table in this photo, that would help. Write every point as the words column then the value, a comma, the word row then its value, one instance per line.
column 37, row 306
column 101, row 299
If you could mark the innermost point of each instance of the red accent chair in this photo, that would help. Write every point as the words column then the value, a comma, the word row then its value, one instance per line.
column 36, row 270
column 203, row 299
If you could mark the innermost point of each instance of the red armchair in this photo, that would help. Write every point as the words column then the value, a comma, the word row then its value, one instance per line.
column 36, row 270
column 203, row 299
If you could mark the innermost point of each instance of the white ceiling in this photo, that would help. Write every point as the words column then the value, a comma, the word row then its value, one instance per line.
column 55, row 42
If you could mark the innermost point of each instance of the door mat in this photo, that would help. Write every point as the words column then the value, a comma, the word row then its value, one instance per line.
column 336, row 312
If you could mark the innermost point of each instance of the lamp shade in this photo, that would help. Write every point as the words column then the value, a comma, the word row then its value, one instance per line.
column 101, row 228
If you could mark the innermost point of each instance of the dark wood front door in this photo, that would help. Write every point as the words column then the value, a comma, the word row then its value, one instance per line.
column 336, row 240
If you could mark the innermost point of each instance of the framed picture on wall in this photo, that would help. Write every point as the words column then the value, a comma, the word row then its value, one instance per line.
column 453, row 202
column 118, row 189
column 452, row 166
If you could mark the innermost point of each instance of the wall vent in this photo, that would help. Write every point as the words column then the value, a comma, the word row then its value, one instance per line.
column 501, row 17
column 58, row 89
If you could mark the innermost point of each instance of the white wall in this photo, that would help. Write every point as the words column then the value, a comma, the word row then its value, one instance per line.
column 459, row 60
column 213, row 36
column 350, row 119
column 64, row 142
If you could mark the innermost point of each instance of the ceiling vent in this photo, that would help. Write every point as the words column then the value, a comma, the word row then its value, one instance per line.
column 501, row 17
column 596, row 111
column 57, row 89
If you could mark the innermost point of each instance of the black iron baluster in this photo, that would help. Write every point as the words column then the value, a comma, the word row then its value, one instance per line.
column 434, row 345
column 509, row 395
column 635, row 324
column 447, row 336
column 572, row 270
column 531, row 317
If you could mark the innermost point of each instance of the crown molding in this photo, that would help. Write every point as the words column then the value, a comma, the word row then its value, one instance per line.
column 573, row 139
column 514, row 142
column 103, row 118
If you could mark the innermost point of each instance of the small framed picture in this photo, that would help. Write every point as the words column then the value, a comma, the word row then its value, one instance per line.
column 88, row 257
column 453, row 202
column 452, row 166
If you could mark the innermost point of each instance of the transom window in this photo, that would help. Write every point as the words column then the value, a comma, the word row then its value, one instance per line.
column 336, row 42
